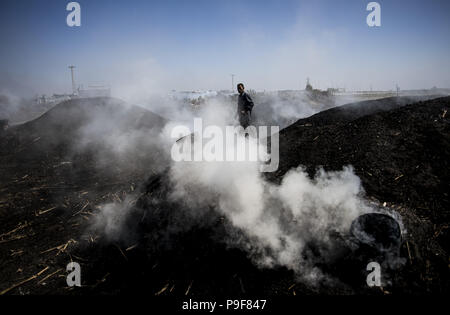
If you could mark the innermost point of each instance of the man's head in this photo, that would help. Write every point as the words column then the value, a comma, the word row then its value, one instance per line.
column 240, row 88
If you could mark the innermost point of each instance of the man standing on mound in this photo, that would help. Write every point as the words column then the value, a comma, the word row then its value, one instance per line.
column 245, row 106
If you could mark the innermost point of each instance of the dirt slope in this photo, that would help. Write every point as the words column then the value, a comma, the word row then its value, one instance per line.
column 400, row 152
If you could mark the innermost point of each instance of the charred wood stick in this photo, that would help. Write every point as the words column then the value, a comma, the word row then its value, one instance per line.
column 189, row 288
column 20, row 227
column 50, row 275
column 45, row 211
column 54, row 187
column 84, row 207
column 60, row 248
column 409, row 252
column 162, row 290
column 14, row 238
column 24, row 281
column 123, row 254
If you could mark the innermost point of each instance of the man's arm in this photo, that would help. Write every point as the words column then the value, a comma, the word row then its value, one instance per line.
column 248, row 103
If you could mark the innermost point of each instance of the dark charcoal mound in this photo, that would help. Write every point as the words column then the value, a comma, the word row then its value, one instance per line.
column 350, row 112
column 50, row 187
column 195, row 248
column 176, row 250
column 73, row 132
column 400, row 153
column 61, row 126
column 402, row 157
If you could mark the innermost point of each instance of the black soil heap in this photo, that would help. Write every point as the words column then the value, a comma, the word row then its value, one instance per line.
column 399, row 151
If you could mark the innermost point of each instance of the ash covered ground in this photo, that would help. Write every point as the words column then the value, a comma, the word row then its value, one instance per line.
column 91, row 181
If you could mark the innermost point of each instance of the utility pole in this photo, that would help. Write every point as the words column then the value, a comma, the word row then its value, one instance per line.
column 74, row 89
column 232, row 82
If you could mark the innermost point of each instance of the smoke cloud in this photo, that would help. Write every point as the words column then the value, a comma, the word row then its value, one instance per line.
column 278, row 221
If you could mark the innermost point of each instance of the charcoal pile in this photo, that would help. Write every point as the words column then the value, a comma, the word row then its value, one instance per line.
column 186, row 256
column 401, row 155
column 399, row 152
column 55, row 171
column 398, row 149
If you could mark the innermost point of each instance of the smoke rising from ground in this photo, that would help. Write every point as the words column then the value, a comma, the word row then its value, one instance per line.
column 278, row 221
column 273, row 224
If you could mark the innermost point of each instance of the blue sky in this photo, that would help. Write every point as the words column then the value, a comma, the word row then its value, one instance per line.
column 148, row 46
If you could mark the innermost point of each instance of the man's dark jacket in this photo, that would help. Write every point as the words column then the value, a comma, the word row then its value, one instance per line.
column 245, row 106
column 245, row 103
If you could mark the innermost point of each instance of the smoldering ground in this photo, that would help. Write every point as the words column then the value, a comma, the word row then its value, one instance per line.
column 159, row 232
column 274, row 224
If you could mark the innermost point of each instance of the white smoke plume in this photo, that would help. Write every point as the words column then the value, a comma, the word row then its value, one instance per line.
column 277, row 220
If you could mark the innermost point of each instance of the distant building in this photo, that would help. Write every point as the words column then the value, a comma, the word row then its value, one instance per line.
column 192, row 95
column 334, row 91
column 94, row 91
column 55, row 98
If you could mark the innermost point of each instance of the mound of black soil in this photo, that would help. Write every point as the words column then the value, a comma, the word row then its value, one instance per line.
column 62, row 126
column 182, row 250
column 400, row 153
column 349, row 112
column 18, row 109
column 54, row 174
column 83, row 133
